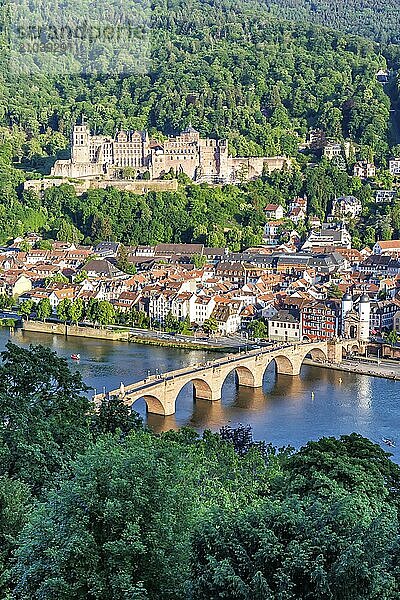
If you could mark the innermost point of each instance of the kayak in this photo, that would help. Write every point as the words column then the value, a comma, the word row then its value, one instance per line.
column 75, row 356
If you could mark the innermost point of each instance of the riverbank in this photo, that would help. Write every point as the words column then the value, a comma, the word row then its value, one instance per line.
column 119, row 335
column 373, row 369
column 180, row 344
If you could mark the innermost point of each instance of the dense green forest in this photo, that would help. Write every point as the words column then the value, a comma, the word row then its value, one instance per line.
column 95, row 507
column 228, row 70
column 377, row 19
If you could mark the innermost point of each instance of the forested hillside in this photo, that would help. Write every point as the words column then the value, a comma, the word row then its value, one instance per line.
column 376, row 19
column 230, row 216
column 231, row 73
column 231, row 70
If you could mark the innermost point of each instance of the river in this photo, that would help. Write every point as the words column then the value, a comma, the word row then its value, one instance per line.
column 283, row 412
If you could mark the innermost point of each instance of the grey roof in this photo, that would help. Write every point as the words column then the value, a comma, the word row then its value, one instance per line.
column 107, row 247
column 190, row 129
column 102, row 267
column 215, row 251
column 179, row 249
column 284, row 316
column 377, row 259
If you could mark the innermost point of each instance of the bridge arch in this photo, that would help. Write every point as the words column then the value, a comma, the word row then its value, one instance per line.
column 153, row 404
column 284, row 365
column 201, row 389
column 350, row 347
column 317, row 354
column 245, row 376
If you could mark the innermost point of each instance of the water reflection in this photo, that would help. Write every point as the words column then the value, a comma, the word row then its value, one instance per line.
column 364, row 396
column 287, row 410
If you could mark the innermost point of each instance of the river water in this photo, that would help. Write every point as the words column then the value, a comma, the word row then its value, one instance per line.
column 283, row 412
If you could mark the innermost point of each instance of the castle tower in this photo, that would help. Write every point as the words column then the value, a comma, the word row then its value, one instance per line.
column 364, row 311
column 347, row 306
column 222, row 159
column 80, row 144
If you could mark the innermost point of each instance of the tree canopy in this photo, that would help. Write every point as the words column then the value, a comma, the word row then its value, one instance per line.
column 95, row 506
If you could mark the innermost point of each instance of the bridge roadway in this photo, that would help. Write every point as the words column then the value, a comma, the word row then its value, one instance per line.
column 161, row 391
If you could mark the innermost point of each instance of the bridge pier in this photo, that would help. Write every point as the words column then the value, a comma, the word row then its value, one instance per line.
column 335, row 352
column 251, row 379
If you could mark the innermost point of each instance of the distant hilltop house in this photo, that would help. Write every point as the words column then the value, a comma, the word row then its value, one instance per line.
column 274, row 211
column 316, row 139
column 364, row 169
column 298, row 210
column 385, row 196
column 346, row 206
column 332, row 150
column 297, row 214
column 314, row 222
column 298, row 202
column 335, row 150
column 388, row 247
column 383, row 75
column 394, row 166
column 271, row 235
column 202, row 159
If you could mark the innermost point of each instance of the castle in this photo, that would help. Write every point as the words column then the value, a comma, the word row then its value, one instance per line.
column 202, row 159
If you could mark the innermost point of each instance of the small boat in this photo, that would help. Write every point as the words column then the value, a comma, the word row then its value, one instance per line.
column 75, row 356
column 389, row 442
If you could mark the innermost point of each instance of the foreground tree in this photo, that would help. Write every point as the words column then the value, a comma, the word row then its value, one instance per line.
column 296, row 549
column 15, row 504
column 114, row 416
column 44, row 416
column 118, row 528
column 328, row 530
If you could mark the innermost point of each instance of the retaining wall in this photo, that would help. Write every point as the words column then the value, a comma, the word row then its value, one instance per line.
column 76, row 331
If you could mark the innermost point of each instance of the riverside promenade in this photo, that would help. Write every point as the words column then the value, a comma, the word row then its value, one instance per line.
column 118, row 333
column 388, row 369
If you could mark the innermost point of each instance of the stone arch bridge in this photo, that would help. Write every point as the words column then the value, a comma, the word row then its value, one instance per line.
column 161, row 391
